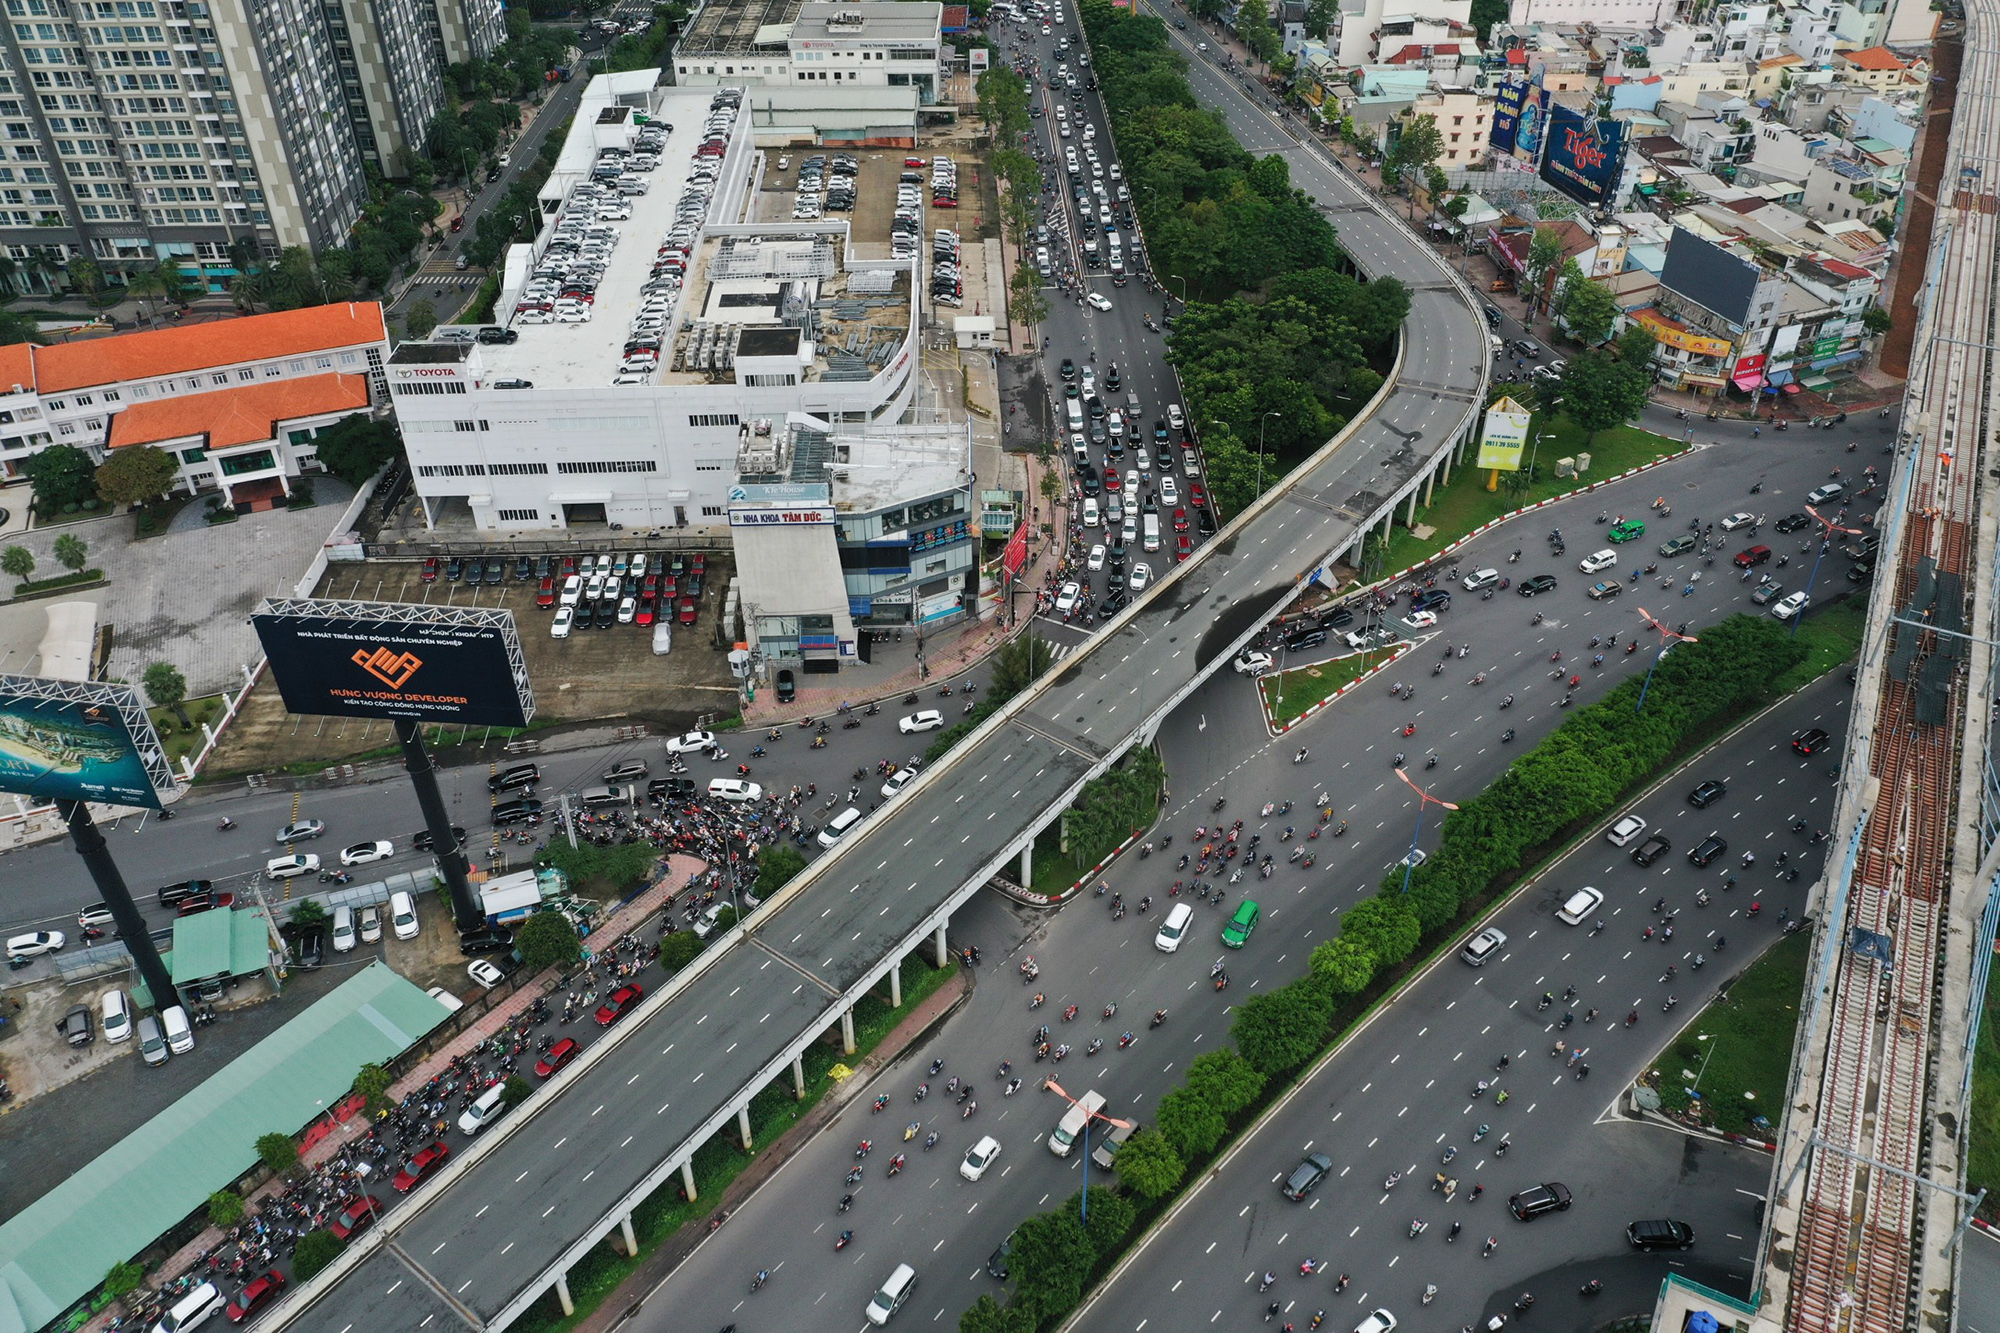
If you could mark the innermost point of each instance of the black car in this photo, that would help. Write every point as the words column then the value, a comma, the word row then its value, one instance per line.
column 1651, row 850
column 518, row 811
column 1861, row 572
column 1708, row 849
column 421, row 840
column 454, row 570
column 494, row 940
column 1299, row 643
column 996, row 1263
column 1530, row 1203
column 1305, row 1177
column 310, row 948
column 788, row 688
column 1338, row 618
column 1537, row 585
column 524, row 568
column 1707, row 794
column 1792, row 522
column 1432, row 599
column 1204, row 522
column 1661, row 1234
column 175, row 894
column 1492, row 314
column 545, row 566
column 674, row 787
column 1809, row 742
column 607, row 614
column 517, row 775
column 1112, row 605
column 1111, row 379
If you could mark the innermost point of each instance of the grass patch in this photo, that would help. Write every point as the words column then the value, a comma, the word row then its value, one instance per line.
column 1982, row 1161
column 1288, row 694
column 1745, row 1040
column 719, row 1161
column 1117, row 806
column 34, row 586
column 187, row 741
column 1465, row 503
column 1831, row 637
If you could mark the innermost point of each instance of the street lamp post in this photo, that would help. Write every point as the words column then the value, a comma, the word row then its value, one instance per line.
column 1668, row 638
column 1084, row 1197
column 1260, row 451
column 1424, row 798
column 1828, row 528
column 1183, row 282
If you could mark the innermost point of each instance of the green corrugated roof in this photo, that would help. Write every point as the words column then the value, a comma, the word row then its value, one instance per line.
column 58, row 1249
column 212, row 944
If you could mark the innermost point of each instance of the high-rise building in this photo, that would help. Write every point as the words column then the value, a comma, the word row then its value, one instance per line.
column 136, row 131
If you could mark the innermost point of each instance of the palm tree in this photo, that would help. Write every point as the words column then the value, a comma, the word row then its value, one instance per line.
column 9, row 271
column 145, row 286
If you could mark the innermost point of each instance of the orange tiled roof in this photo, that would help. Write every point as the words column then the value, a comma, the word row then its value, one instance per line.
column 17, row 366
column 223, row 342
column 245, row 415
column 1873, row 57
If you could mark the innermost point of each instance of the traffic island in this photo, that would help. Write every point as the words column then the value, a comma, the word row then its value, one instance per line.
column 1290, row 697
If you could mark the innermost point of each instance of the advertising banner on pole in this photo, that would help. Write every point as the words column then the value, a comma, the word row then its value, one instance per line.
column 442, row 665
column 1531, row 124
column 80, row 740
column 1585, row 156
column 1507, row 100
column 1504, row 436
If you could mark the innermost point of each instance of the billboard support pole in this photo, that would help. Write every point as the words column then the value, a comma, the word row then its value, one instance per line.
column 423, row 775
column 97, row 859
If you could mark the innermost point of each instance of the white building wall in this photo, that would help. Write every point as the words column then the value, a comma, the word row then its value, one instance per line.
column 1356, row 31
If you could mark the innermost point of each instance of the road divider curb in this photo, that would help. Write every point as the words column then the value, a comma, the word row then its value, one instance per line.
column 1276, row 730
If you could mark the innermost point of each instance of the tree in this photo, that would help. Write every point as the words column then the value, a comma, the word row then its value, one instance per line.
column 277, row 1151
column 137, row 474
column 16, row 327
column 1190, row 1124
column 1025, row 290
column 1587, row 309
column 1052, row 1260
column 86, row 276
column 1253, row 25
column 71, row 552
column 18, row 561
column 1018, row 663
column 61, row 474
column 167, row 688
column 987, row 1315
column 1319, row 18
column 1346, row 966
column 419, row 320
column 308, row 912
column 123, row 1279
column 1148, row 1165
column 1281, row 1029
column 354, row 448
column 1111, row 1215
column 372, row 1082
column 1486, row 13
column 1876, row 320
column 1544, row 256
column 515, row 1091
column 225, row 1209
column 1599, row 391
column 546, row 939
column 777, row 866
column 678, row 950
column 1225, row 1080
column 1232, row 474
column 1415, row 149
column 1003, row 102
column 1386, row 927
column 316, row 1249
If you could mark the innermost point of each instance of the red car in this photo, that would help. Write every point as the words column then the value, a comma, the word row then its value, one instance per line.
column 700, row 565
column 545, row 593
column 687, row 610
column 425, row 1162
column 1197, row 496
column 559, row 1055
column 204, row 902
column 622, row 1001
column 356, row 1216
column 256, row 1296
column 431, row 566
column 650, row 586
column 1180, row 520
column 1183, row 547
column 646, row 611
column 458, row 223
column 568, row 565
column 1112, row 481
column 913, row 162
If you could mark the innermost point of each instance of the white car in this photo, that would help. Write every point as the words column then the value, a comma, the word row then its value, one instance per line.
column 1790, row 606
column 1174, row 928
column 559, row 627
column 1626, row 829
column 982, row 1155
column 1420, row 619
column 694, row 742
column 1175, row 417
column 1483, row 946
column 928, row 720
column 1481, row 578
column 898, row 780
column 485, row 973
column 1096, row 561
column 733, row 789
column 1142, row 575
column 361, row 853
column 1597, row 560
column 1378, row 1321
column 1254, row 663
column 1098, row 302
column 1739, row 519
column 35, row 943
column 444, row 997
column 1067, row 599
column 288, row 867
column 1579, row 906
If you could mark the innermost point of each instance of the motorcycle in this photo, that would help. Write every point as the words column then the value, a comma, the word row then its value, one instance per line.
column 1418, row 1227
column 840, row 1241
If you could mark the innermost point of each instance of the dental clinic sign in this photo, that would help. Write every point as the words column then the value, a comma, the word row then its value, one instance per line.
column 1585, row 156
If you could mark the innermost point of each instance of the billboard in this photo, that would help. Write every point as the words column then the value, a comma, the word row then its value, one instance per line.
column 1507, row 99
column 79, row 740
column 1530, row 124
column 1585, row 156
column 1504, row 435
column 444, row 665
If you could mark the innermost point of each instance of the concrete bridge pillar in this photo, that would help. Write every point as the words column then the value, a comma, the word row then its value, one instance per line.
column 1027, row 865
column 847, row 1031
column 631, row 1240
column 943, row 951
column 896, row 983
column 799, row 1077
column 687, row 1180
column 562, row 1294
column 743, row 1126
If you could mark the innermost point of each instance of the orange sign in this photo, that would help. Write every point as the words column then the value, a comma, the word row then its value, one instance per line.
column 1674, row 336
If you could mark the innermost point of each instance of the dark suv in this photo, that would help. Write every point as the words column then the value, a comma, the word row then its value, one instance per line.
column 1307, row 1176
column 1530, row 1203
column 1708, row 849
column 520, row 775
column 1651, row 850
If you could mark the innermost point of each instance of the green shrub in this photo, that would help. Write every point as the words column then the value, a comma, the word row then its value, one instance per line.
column 316, row 1250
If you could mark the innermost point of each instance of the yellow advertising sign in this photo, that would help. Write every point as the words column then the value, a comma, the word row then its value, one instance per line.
column 1675, row 336
column 1504, row 436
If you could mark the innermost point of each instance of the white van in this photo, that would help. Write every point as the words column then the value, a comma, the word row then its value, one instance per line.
column 195, row 1308
column 1174, row 929
column 894, row 1292
column 484, row 1111
column 1070, row 1127
column 1090, row 517
column 343, row 930
column 837, row 827
column 1151, row 523
column 403, row 915
column 1075, row 406
column 180, row 1036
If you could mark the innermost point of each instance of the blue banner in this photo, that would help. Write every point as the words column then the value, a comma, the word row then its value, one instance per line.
column 1507, row 100
column 1585, row 156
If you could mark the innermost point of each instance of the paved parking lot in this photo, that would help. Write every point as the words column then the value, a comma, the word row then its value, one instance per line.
column 184, row 597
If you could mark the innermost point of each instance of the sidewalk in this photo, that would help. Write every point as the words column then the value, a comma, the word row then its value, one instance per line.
column 658, row 1266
